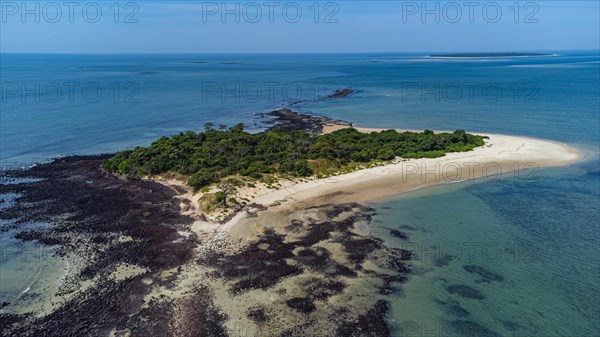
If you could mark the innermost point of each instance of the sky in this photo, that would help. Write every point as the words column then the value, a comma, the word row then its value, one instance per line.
column 314, row 26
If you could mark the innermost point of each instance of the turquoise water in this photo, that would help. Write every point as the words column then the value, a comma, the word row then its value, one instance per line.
column 546, row 229
column 541, row 237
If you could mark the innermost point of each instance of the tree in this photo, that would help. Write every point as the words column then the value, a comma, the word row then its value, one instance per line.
column 239, row 128
column 200, row 179
column 222, row 126
column 459, row 136
column 209, row 157
column 228, row 187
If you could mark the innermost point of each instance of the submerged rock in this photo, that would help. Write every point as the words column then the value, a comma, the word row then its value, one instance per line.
column 341, row 93
column 371, row 324
column 465, row 291
column 398, row 234
column 488, row 276
column 443, row 261
column 454, row 309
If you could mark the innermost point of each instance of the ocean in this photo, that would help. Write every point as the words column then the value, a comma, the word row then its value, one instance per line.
column 492, row 257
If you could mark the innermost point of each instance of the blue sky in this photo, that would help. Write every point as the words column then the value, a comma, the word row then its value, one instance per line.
column 337, row 26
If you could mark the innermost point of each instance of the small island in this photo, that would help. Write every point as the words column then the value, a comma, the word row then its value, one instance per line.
column 189, row 235
column 231, row 158
column 483, row 55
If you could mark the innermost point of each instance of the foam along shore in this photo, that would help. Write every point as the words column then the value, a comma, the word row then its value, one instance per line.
column 502, row 156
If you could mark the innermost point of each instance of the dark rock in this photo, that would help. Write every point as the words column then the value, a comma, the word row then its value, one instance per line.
column 465, row 291
column 371, row 324
column 387, row 288
column 340, row 93
column 293, row 121
column 83, row 219
column 255, row 268
column 457, row 310
column 358, row 250
column 303, row 305
column 443, row 261
column 200, row 316
column 257, row 314
column 398, row 234
column 488, row 276
column 454, row 309
column 510, row 325
column 321, row 290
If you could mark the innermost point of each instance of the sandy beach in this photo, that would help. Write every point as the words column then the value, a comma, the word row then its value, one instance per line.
column 502, row 156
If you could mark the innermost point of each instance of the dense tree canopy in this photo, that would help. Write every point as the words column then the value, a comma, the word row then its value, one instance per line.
column 209, row 156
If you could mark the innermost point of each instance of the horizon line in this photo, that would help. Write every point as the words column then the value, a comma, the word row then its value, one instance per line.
column 288, row 53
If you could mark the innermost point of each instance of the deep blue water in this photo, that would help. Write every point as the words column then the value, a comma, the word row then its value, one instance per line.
column 553, row 219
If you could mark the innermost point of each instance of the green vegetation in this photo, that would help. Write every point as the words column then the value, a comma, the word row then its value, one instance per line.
column 210, row 156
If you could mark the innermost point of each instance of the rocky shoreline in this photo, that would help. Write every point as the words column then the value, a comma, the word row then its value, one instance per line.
column 108, row 222
column 114, row 222
column 293, row 121
column 287, row 119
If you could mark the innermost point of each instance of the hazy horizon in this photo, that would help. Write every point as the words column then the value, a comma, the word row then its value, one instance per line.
column 306, row 53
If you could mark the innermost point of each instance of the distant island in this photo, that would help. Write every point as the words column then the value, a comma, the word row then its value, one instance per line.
column 474, row 55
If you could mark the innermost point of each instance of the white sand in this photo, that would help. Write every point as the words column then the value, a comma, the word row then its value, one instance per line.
column 517, row 157
column 509, row 156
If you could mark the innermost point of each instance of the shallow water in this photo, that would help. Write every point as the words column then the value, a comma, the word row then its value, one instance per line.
column 536, row 241
column 30, row 273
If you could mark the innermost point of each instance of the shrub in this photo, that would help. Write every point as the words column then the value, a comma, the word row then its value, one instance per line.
column 207, row 156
